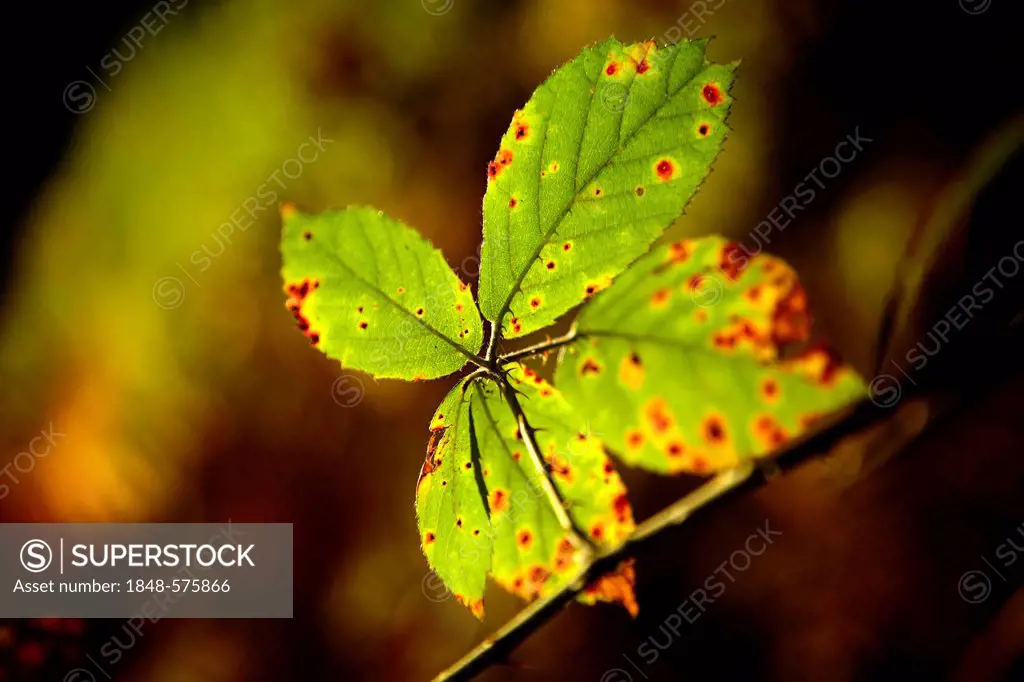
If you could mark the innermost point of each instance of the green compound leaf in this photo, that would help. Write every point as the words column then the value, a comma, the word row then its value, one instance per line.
column 374, row 294
column 679, row 365
column 530, row 555
column 599, row 162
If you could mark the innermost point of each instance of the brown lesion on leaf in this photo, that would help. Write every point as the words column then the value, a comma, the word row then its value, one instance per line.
column 298, row 293
column 821, row 364
column 675, row 449
column 714, row 430
column 428, row 538
column 631, row 371
column 659, row 415
column 475, row 606
column 679, row 252
column 565, row 556
column 665, row 169
column 516, row 324
column 733, row 260
column 535, row 302
column 524, row 539
column 640, row 191
column 623, row 510
column 704, row 129
column 364, row 325
column 420, row 312
column 567, row 246
column 659, row 299
column 615, row 587
column 770, row 390
column 550, row 265
column 593, row 286
column 712, row 94
column 498, row 501
column 589, row 366
column 433, row 459
column 768, row 432
column 560, row 467
column 791, row 320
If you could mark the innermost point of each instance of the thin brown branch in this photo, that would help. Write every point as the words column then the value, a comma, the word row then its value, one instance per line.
column 537, row 349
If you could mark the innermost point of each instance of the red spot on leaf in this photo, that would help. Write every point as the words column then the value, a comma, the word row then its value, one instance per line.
column 704, row 129
column 634, row 439
column 712, row 94
column 535, row 302
column 612, row 69
column 714, row 430
column 675, row 449
column 623, row 512
column 512, row 202
column 589, row 366
column 665, row 170
column 658, row 415
column 733, row 260
column 428, row 538
column 517, row 326
column 660, row 297
column 522, row 131
column 550, row 265
column 498, row 501
column 642, row 67
column 539, row 575
column 567, row 246
column 524, row 539
column 791, row 320
column 679, row 252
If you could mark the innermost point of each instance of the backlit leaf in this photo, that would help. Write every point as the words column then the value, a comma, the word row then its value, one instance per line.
column 679, row 365
column 603, row 157
column 532, row 555
column 374, row 294
column 453, row 519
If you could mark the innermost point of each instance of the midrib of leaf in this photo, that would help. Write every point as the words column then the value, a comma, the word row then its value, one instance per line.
column 505, row 306
column 373, row 287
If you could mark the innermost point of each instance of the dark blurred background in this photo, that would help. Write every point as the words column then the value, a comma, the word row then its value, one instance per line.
column 164, row 352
